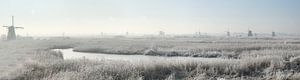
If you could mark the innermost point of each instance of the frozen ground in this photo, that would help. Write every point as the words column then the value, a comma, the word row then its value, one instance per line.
column 234, row 58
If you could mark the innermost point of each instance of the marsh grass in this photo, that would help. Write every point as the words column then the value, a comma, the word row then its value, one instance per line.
column 209, row 49
column 232, row 60
column 48, row 65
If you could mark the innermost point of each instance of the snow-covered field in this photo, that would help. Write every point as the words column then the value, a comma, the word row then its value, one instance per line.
column 203, row 58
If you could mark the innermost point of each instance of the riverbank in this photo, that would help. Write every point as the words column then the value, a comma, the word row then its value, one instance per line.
column 206, row 48
column 14, row 53
column 49, row 65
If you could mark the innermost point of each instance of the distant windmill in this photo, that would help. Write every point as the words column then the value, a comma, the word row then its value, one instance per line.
column 198, row 33
column 161, row 33
column 228, row 32
column 63, row 35
column 273, row 34
column 102, row 34
column 11, row 35
column 250, row 34
column 127, row 33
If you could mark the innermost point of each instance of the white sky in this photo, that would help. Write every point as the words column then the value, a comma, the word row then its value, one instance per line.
column 53, row 17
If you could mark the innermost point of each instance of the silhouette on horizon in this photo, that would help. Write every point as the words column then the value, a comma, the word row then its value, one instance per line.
column 11, row 35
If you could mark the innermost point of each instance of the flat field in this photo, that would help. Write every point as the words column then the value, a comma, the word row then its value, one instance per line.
column 221, row 58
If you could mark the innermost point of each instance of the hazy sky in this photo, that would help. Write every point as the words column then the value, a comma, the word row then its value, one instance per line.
column 53, row 17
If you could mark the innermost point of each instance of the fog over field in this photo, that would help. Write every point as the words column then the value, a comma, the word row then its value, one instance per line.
column 149, row 40
column 91, row 17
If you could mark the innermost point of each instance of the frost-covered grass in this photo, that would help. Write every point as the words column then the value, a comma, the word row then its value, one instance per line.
column 14, row 53
column 210, row 48
column 236, row 59
column 50, row 66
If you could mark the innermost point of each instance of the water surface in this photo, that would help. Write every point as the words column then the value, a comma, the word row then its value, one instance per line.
column 70, row 54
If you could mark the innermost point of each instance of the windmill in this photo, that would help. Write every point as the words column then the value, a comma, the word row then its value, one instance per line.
column 199, row 33
column 11, row 35
column 273, row 34
column 228, row 32
column 161, row 33
column 250, row 34
column 127, row 33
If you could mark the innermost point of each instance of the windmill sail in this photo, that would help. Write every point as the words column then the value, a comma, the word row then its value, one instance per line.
column 11, row 35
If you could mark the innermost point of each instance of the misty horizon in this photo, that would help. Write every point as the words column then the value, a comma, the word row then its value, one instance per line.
column 93, row 17
column 149, row 40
